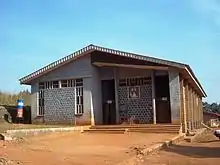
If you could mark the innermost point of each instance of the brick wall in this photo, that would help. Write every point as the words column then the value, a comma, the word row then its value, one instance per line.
column 60, row 107
column 140, row 108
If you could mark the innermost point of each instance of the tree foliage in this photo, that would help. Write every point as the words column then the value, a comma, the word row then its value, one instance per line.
column 213, row 107
column 11, row 98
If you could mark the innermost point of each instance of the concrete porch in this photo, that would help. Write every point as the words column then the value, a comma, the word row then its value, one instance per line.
column 141, row 128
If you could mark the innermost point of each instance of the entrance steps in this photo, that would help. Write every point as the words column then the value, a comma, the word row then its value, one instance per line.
column 141, row 128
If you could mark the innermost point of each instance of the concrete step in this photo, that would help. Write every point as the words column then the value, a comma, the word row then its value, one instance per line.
column 111, row 131
column 153, row 131
column 136, row 126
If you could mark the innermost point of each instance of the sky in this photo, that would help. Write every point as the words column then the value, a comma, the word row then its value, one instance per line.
column 35, row 33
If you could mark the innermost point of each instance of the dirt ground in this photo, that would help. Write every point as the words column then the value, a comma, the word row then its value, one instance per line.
column 79, row 149
column 204, row 152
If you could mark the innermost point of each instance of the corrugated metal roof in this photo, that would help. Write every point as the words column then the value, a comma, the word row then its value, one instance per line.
column 91, row 48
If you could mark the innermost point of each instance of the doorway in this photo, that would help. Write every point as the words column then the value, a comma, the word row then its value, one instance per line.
column 163, row 110
column 108, row 102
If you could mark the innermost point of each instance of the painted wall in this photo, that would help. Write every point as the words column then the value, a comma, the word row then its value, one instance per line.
column 34, row 98
column 96, row 95
column 79, row 68
column 58, row 107
column 174, row 84
column 130, row 72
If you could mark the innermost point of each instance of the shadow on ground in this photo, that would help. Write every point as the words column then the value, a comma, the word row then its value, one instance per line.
column 196, row 151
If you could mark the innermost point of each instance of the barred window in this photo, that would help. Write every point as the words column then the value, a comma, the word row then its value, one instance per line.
column 41, row 86
column 79, row 96
column 70, row 83
column 55, row 84
column 63, row 83
column 48, row 85
column 67, row 83
column 135, row 81
column 40, row 103
column 77, row 84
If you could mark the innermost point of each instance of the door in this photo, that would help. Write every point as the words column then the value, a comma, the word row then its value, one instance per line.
column 108, row 102
column 163, row 111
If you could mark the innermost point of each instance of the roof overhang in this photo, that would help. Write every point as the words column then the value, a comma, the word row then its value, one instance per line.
column 103, row 64
column 185, row 69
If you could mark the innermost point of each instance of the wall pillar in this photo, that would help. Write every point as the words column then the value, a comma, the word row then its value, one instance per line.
column 174, row 85
column 116, row 96
column 187, row 105
column 191, row 109
column 194, row 110
column 94, row 85
column 198, row 111
column 183, row 106
column 153, row 98
column 34, row 101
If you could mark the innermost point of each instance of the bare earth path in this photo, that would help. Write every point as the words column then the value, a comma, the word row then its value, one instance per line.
column 205, row 152
column 79, row 149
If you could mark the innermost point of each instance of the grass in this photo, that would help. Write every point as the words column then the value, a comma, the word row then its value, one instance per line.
column 7, row 126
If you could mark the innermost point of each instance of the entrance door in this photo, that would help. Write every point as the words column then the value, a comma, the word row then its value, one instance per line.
column 108, row 102
column 163, row 111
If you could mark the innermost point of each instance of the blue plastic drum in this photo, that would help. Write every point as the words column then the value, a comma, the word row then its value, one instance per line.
column 20, row 105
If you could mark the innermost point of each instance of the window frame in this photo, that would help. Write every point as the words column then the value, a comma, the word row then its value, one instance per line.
column 77, row 84
column 79, row 105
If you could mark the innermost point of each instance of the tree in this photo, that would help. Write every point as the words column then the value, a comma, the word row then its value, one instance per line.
column 11, row 98
column 214, row 107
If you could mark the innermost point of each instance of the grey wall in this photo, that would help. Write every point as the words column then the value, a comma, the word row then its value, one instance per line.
column 96, row 95
column 174, row 84
column 108, row 73
column 130, row 72
column 34, row 98
column 81, row 68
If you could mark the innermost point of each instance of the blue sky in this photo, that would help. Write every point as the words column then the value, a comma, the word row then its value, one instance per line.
column 35, row 33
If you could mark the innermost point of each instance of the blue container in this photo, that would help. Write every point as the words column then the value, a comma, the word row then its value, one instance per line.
column 20, row 104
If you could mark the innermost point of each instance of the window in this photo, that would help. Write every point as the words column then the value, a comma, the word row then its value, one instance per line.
column 77, row 84
column 67, row 83
column 136, row 81
column 63, row 83
column 41, row 103
column 79, row 96
column 70, row 83
column 48, row 85
column 55, row 84
column 41, row 86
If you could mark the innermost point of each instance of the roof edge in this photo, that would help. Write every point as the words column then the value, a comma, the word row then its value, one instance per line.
column 26, row 79
column 192, row 75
